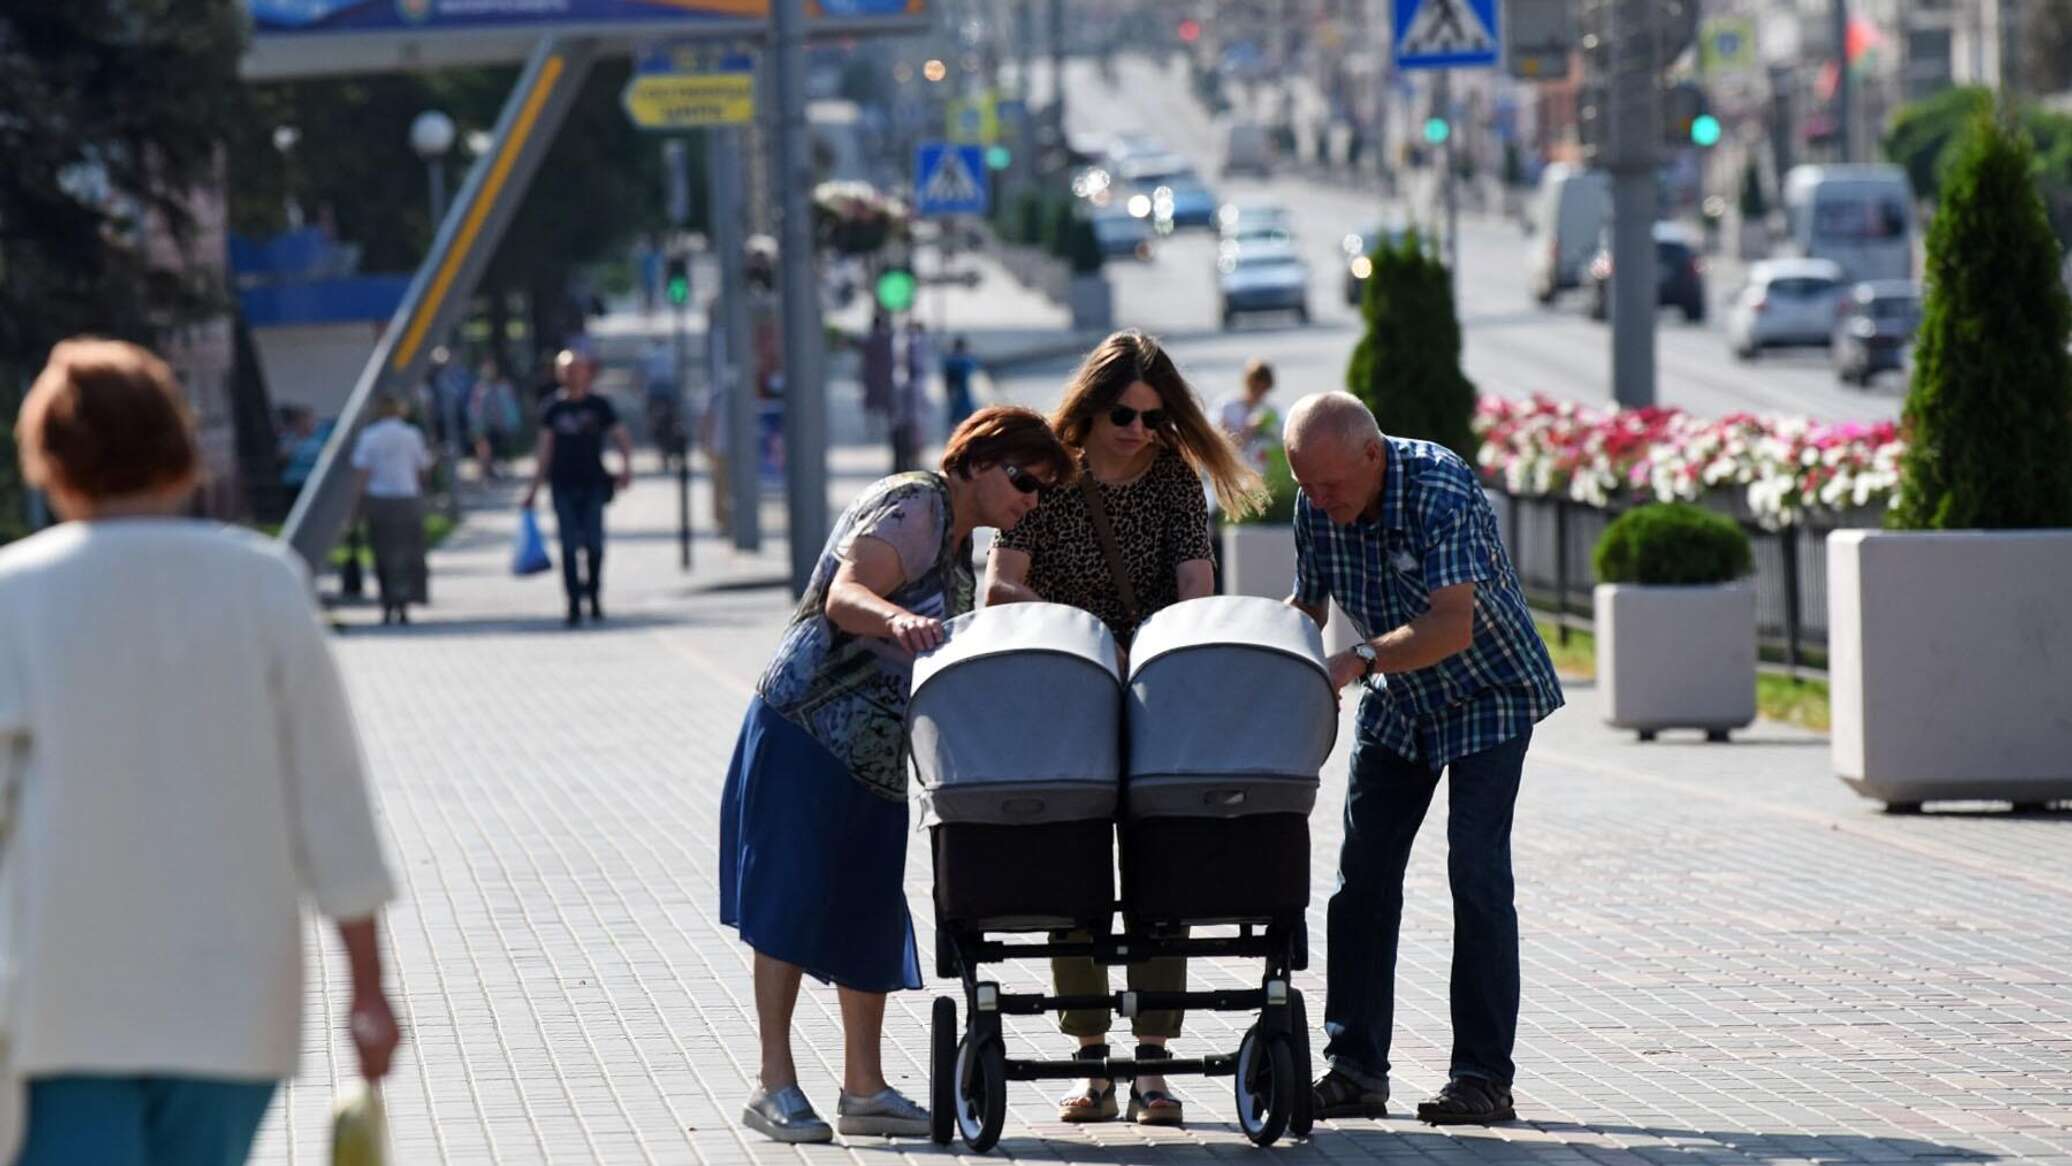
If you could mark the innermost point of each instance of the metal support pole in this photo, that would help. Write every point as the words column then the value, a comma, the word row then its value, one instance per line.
column 725, row 165
column 1788, row 542
column 1057, row 67
column 1443, row 98
column 805, row 401
column 1845, row 96
column 1635, row 141
column 1561, row 571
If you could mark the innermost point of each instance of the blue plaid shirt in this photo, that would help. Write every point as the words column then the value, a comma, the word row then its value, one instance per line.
column 1436, row 529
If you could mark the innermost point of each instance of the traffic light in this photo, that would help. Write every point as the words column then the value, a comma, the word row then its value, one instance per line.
column 1705, row 130
column 999, row 157
column 896, row 289
column 678, row 280
column 1687, row 119
column 1190, row 31
column 1436, row 130
column 1593, row 94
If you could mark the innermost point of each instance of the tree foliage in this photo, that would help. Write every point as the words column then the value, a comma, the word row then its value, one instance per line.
column 90, row 166
column 1989, row 416
column 1407, row 366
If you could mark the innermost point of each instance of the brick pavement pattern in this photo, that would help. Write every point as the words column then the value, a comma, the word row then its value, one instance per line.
column 1728, row 958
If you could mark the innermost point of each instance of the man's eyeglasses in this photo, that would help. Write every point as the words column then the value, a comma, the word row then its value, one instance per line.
column 1024, row 481
column 1121, row 416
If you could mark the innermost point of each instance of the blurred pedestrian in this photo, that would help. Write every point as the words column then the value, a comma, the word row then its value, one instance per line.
column 910, row 400
column 813, row 822
column 1245, row 417
column 390, row 461
column 662, row 401
column 184, row 772
column 573, row 429
column 958, row 368
column 493, row 418
column 880, row 367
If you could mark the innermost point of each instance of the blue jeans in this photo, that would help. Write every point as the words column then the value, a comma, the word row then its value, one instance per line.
column 579, row 524
column 143, row 1121
column 1384, row 806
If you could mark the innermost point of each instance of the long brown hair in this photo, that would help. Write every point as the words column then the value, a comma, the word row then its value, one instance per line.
column 1122, row 360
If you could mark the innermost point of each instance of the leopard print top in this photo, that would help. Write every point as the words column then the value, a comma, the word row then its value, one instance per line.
column 1161, row 520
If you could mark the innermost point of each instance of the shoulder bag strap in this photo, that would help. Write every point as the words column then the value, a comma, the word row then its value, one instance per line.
column 1112, row 551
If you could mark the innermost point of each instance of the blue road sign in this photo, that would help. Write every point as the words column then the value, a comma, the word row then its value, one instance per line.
column 950, row 179
column 1446, row 34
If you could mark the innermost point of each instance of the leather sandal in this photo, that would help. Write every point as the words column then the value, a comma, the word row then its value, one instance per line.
column 1468, row 1101
column 1090, row 1104
column 1154, row 1107
column 1336, row 1095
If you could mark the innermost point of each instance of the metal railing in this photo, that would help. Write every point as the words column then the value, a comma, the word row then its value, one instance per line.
column 1550, row 541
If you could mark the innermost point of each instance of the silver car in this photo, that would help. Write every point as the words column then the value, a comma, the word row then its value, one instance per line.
column 1262, row 277
column 1786, row 302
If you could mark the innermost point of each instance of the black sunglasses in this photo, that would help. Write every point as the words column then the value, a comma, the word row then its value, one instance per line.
column 1121, row 416
column 1023, row 480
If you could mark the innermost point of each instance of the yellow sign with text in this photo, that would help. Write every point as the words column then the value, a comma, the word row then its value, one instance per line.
column 676, row 101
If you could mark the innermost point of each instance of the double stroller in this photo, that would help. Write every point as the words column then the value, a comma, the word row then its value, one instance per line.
column 1035, row 755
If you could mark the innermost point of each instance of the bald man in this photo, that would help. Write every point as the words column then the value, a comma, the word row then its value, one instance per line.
column 1455, row 676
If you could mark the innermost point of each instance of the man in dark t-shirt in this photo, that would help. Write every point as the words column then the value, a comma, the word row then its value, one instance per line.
column 574, row 424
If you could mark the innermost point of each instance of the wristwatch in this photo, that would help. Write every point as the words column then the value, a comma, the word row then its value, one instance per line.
column 1367, row 656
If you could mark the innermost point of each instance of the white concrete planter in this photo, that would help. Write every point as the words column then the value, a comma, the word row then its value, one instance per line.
column 1092, row 302
column 1259, row 559
column 1676, row 657
column 1950, row 664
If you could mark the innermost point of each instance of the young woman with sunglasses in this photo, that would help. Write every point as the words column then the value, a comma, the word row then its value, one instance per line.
column 813, row 823
column 1143, row 445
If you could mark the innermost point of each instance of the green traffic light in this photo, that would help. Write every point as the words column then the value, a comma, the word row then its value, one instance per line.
column 1437, row 131
column 896, row 290
column 999, row 158
column 1705, row 130
column 680, row 289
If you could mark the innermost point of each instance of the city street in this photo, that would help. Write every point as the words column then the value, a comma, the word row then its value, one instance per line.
column 1513, row 346
column 1728, row 957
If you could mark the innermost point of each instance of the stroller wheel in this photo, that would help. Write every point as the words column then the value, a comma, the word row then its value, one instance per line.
column 1265, row 1086
column 942, row 1071
column 1302, row 1113
column 981, row 1086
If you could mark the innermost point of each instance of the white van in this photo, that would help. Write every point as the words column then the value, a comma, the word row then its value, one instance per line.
column 1568, row 216
column 1861, row 217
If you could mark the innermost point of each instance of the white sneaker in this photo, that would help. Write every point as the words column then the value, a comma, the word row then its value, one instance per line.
column 785, row 1116
column 886, row 1114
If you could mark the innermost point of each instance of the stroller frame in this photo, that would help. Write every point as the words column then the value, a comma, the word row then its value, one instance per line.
column 968, row 1074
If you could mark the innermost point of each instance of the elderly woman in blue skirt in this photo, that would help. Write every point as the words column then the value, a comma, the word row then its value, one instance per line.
column 813, row 825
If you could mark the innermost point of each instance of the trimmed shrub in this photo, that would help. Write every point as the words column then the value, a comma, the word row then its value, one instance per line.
column 1672, row 544
column 1028, row 229
column 1754, row 206
column 1083, row 248
column 1988, row 419
column 1407, row 367
column 1057, row 235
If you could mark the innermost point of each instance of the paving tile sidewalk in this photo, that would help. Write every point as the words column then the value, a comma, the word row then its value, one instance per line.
column 1728, row 958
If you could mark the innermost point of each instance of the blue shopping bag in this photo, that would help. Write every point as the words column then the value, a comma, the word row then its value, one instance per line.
column 528, row 549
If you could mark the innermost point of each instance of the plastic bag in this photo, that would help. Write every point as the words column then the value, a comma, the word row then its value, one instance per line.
column 528, row 548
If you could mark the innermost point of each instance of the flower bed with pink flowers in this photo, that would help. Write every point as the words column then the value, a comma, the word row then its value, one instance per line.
column 1780, row 470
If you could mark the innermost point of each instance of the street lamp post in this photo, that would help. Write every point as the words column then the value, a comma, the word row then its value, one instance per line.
column 431, row 135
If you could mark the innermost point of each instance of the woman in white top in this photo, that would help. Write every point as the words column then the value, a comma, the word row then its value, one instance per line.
column 389, row 463
column 180, row 771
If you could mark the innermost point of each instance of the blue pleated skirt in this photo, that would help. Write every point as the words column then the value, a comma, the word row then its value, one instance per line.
column 812, row 865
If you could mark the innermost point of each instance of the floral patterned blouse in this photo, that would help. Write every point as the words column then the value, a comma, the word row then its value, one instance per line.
column 848, row 691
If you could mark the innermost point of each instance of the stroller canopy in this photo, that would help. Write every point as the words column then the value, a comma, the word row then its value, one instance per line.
column 1230, row 710
column 1017, row 718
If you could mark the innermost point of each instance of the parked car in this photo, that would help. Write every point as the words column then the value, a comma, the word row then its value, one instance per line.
column 1786, row 302
column 1262, row 277
column 1679, row 274
column 1122, row 233
column 1874, row 329
column 1568, row 214
column 1179, row 197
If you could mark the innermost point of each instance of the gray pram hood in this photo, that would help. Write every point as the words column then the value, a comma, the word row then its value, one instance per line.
column 1230, row 710
column 1017, row 718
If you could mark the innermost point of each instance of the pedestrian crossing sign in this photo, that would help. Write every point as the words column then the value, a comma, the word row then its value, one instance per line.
column 1446, row 34
column 950, row 179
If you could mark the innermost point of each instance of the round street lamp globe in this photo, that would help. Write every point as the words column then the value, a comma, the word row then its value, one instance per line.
column 480, row 142
column 431, row 134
